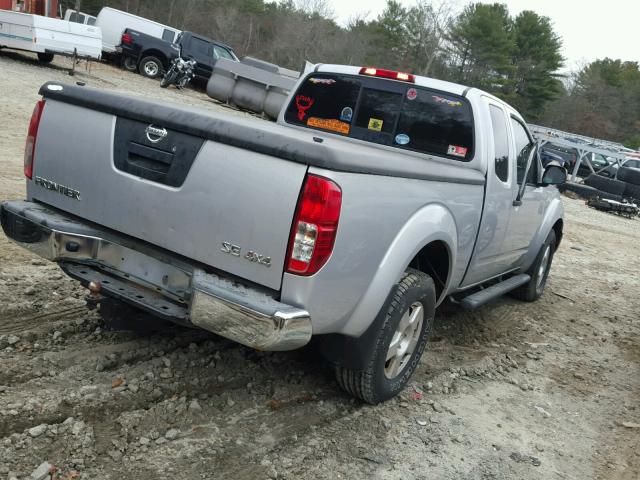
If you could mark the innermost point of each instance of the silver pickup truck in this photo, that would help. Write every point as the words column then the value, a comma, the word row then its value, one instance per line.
column 375, row 196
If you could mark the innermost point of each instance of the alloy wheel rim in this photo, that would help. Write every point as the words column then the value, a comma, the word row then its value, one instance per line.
column 150, row 68
column 542, row 269
column 404, row 341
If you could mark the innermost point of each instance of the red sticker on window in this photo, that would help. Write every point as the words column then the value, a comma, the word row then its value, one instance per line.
column 303, row 104
column 412, row 94
column 457, row 151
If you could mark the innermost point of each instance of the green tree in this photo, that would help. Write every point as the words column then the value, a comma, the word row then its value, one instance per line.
column 425, row 29
column 536, row 61
column 482, row 46
column 602, row 101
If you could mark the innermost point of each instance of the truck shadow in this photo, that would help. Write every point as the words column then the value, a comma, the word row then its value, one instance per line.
column 32, row 60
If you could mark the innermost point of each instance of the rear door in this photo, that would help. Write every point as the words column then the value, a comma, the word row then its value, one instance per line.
column 492, row 256
column 508, row 223
column 208, row 201
column 527, row 214
column 202, row 52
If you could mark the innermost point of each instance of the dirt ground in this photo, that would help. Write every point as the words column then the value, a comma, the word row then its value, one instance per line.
column 549, row 390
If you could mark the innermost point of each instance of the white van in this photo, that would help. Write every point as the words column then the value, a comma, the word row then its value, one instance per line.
column 75, row 16
column 113, row 22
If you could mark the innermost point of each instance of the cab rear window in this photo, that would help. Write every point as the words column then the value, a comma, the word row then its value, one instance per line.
column 392, row 113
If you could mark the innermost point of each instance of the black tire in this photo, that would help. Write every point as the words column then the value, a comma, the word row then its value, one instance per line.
column 632, row 191
column 629, row 175
column 183, row 82
column 168, row 79
column 130, row 64
column 584, row 191
column 534, row 288
column 150, row 67
column 45, row 57
column 604, row 184
column 371, row 384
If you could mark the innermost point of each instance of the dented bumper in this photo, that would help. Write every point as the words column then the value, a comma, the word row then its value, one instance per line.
column 156, row 280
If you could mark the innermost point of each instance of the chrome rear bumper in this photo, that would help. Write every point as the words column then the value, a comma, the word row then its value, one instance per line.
column 156, row 280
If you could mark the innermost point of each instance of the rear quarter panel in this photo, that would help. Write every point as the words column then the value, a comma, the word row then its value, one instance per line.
column 384, row 222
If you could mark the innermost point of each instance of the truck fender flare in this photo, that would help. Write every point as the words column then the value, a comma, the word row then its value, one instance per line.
column 431, row 223
column 353, row 347
column 554, row 212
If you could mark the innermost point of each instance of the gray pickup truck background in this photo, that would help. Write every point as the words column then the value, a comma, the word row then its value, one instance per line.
column 376, row 196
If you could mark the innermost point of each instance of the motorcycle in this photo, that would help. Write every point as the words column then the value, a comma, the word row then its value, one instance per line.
column 179, row 74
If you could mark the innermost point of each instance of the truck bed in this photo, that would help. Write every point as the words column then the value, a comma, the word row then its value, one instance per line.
column 212, row 183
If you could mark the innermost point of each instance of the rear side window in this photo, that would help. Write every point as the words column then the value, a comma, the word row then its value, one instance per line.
column 167, row 35
column 199, row 46
column 501, row 142
column 436, row 123
column 385, row 112
column 632, row 164
column 219, row 52
column 524, row 145
column 91, row 21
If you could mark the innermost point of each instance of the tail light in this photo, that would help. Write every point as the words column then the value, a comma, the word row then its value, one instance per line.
column 379, row 72
column 126, row 38
column 314, row 226
column 30, row 146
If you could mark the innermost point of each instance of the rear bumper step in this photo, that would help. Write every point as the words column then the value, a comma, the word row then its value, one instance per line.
column 156, row 281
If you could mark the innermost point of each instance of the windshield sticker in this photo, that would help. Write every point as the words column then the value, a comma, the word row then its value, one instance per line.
column 446, row 101
column 347, row 114
column 303, row 104
column 412, row 94
column 402, row 139
column 457, row 151
column 375, row 124
column 329, row 124
column 322, row 81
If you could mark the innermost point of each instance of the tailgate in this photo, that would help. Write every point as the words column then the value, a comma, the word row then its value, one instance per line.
column 220, row 204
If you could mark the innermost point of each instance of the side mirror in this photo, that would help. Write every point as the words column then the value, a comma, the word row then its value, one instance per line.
column 554, row 175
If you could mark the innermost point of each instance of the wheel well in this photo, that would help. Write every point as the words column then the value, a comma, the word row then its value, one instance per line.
column 155, row 53
column 433, row 260
column 557, row 228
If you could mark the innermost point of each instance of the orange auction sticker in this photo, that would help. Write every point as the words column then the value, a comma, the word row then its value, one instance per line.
column 329, row 124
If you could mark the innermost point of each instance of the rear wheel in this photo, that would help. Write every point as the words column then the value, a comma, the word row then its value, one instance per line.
column 168, row 79
column 45, row 57
column 407, row 320
column 129, row 63
column 539, row 272
column 150, row 67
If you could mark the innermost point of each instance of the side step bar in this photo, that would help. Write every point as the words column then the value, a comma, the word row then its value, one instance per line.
column 478, row 299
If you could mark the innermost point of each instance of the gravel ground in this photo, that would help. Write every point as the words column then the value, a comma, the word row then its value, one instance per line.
column 511, row 391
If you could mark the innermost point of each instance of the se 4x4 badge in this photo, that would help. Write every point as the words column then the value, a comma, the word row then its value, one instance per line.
column 252, row 256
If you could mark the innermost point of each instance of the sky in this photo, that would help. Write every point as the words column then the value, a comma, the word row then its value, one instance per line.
column 590, row 29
